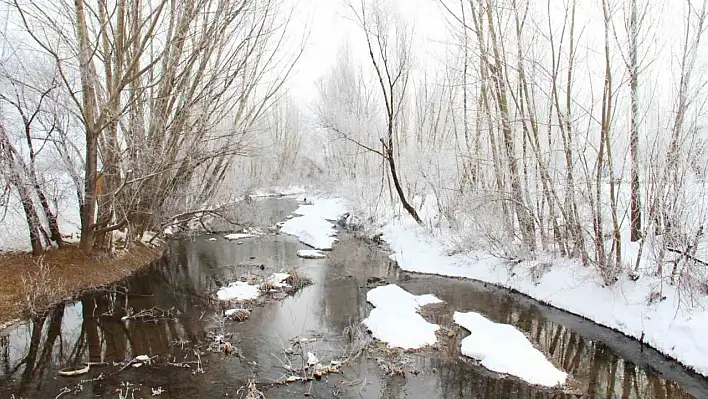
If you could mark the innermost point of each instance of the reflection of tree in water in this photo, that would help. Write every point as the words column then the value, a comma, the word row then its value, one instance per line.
column 103, row 336
column 348, row 267
column 598, row 369
column 603, row 373
column 180, row 284
column 34, row 363
column 462, row 380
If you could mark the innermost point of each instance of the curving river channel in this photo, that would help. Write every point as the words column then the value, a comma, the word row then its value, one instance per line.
column 173, row 319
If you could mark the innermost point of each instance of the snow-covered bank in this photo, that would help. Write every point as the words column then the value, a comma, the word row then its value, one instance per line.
column 277, row 192
column 666, row 325
column 504, row 349
column 395, row 319
column 675, row 331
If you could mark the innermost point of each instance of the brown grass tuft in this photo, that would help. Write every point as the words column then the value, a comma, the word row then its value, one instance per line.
column 298, row 280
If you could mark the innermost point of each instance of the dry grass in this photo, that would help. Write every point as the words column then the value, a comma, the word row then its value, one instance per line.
column 39, row 289
column 30, row 284
column 298, row 280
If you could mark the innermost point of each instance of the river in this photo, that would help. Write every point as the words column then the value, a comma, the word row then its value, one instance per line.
column 168, row 312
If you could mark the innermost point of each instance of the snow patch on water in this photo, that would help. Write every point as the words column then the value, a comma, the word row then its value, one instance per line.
column 504, row 349
column 277, row 280
column 238, row 236
column 238, row 291
column 396, row 321
column 310, row 254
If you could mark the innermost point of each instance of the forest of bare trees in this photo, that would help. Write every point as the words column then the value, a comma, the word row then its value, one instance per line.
column 572, row 127
column 139, row 106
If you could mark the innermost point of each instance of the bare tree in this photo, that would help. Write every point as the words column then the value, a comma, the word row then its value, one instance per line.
column 635, row 196
column 168, row 95
column 389, row 47
column 29, row 110
column 9, row 159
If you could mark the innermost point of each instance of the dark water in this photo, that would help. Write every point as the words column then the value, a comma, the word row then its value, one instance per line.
column 176, row 294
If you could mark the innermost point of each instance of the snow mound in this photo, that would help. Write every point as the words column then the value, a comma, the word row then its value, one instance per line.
column 242, row 291
column 311, row 230
column 310, row 254
column 504, row 349
column 395, row 319
column 238, row 236
column 396, row 298
column 277, row 280
column 238, row 291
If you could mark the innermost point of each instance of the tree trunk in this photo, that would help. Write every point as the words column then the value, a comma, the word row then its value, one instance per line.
column 525, row 219
column 399, row 189
column 32, row 219
column 15, row 178
column 635, row 196
column 88, row 216
column 88, row 75
column 607, row 127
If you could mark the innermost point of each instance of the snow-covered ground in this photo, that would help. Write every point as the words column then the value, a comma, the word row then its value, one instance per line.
column 675, row 331
column 314, row 227
column 277, row 191
column 669, row 325
column 504, row 349
column 395, row 319
column 311, row 230
column 326, row 208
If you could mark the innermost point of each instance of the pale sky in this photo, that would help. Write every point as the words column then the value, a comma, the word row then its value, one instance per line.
column 329, row 23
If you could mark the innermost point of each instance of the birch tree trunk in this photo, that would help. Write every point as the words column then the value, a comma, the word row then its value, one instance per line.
column 635, row 195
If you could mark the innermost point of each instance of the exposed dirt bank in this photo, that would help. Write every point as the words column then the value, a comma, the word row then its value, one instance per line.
column 31, row 284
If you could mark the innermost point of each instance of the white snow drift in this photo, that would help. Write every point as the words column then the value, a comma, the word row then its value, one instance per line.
column 313, row 226
column 238, row 291
column 504, row 349
column 396, row 321
column 242, row 291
